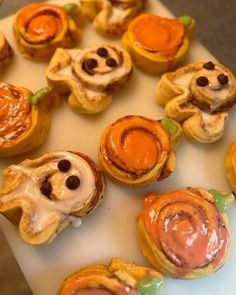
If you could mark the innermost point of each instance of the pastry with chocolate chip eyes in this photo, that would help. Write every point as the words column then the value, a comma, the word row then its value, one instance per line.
column 111, row 17
column 198, row 96
column 137, row 151
column 89, row 76
column 45, row 195
column 40, row 28
column 117, row 278
column 6, row 53
column 185, row 233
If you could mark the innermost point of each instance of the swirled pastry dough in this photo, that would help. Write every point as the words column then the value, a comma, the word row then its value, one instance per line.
column 116, row 278
column 89, row 76
column 137, row 151
column 185, row 233
column 40, row 28
column 6, row 52
column 198, row 95
column 24, row 123
column 157, row 44
column 45, row 195
column 111, row 17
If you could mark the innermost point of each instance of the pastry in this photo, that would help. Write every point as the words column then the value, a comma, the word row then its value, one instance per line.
column 118, row 277
column 24, row 119
column 45, row 195
column 198, row 96
column 89, row 76
column 6, row 53
column 111, row 17
column 230, row 166
column 137, row 151
column 40, row 28
column 185, row 233
column 157, row 44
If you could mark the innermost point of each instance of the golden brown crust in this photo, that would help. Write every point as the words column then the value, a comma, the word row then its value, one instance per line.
column 6, row 53
column 230, row 166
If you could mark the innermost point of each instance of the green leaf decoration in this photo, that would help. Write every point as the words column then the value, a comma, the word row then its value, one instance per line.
column 38, row 95
column 185, row 20
column 221, row 201
column 169, row 126
column 149, row 285
column 69, row 8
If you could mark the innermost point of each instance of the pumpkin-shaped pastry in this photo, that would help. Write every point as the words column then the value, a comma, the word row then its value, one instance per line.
column 24, row 118
column 117, row 278
column 111, row 17
column 45, row 195
column 230, row 166
column 185, row 233
column 89, row 76
column 137, row 151
column 198, row 96
column 6, row 53
column 157, row 44
column 40, row 28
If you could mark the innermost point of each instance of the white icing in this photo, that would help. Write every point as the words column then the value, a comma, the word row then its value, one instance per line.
column 47, row 211
column 117, row 15
column 183, row 79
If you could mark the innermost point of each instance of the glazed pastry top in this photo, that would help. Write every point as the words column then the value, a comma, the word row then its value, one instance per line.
column 56, row 185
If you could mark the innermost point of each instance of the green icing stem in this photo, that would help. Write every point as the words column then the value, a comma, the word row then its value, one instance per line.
column 35, row 98
column 149, row 285
column 69, row 8
column 221, row 201
column 185, row 20
column 169, row 126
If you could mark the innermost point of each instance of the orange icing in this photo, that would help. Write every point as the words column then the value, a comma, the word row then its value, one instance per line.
column 136, row 144
column 15, row 112
column 40, row 22
column 94, row 291
column 158, row 34
column 188, row 229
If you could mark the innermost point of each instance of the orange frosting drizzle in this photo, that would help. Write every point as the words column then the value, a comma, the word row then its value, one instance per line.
column 187, row 229
column 158, row 34
column 40, row 22
column 15, row 112
column 136, row 144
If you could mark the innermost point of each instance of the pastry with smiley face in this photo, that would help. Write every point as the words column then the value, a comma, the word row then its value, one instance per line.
column 40, row 28
column 198, row 96
column 137, row 151
column 6, row 53
column 45, row 195
column 111, row 17
column 89, row 76
column 24, row 118
column 117, row 278
column 185, row 233
column 157, row 44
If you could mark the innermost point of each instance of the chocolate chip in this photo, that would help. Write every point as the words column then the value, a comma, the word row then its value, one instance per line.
column 202, row 81
column 223, row 79
column 91, row 63
column 46, row 188
column 64, row 165
column 102, row 52
column 209, row 65
column 73, row 182
column 111, row 62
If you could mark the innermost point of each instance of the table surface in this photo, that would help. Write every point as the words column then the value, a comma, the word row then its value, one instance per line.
column 208, row 15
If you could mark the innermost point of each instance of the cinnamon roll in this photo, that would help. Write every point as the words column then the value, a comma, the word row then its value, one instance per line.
column 89, row 76
column 156, row 55
column 40, row 28
column 111, row 17
column 198, row 96
column 137, row 151
column 24, row 123
column 116, row 278
column 45, row 195
column 230, row 166
column 185, row 233
column 6, row 53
